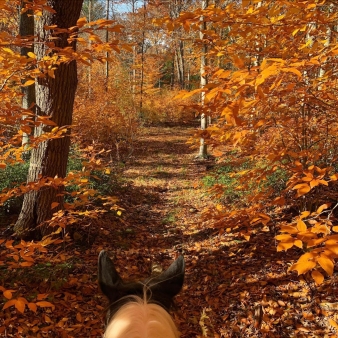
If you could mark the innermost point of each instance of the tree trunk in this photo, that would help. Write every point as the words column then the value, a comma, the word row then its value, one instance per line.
column 54, row 97
column 204, row 123
column 26, row 31
column 107, row 54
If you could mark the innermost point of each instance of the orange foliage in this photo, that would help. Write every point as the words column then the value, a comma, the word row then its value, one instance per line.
column 272, row 86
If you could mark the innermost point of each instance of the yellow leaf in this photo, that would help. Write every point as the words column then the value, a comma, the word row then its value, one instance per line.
column 304, row 214
column 289, row 228
column 317, row 276
column 107, row 171
column 298, row 243
column 292, row 70
column 8, row 50
column 284, row 246
column 303, row 190
column 322, row 207
column 28, row 83
column 303, row 267
column 333, row 323
column 119, row 213
column 31, row 55
column 301, row 226
column 307, row 256
column 81, row 22
column 334, row 177
column 326, row 263
column 284, row 238
column 300, row 186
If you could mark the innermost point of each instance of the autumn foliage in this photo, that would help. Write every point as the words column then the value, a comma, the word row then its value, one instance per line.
column 272, row 89
column 271, row 98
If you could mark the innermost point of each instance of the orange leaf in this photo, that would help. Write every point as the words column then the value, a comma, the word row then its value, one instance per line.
column 32, row 306
column 301, row 226
column 303, row 267
column 333, row 323
column 8, row 294
column 302, row 189
column 42, row 296
column 284, row 246
column 322, row 207
column 317, row 276
column 9, row 304
column 289, row 228
column 326, row 263
column 54, row 205
column 45, row 304
column 20, row 305
column 81, row 22
column 79, row 317
column 298, row 243
column 28, row 83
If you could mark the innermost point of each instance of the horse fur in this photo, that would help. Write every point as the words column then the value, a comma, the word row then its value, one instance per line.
column 139, row 319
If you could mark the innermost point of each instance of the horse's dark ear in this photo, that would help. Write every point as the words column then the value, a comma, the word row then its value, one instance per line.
column 170, row 281
column 109, row 279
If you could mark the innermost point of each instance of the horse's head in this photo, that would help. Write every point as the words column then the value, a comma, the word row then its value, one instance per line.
column 159, row 289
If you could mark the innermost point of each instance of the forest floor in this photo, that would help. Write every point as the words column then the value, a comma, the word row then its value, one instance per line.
column 233, row 287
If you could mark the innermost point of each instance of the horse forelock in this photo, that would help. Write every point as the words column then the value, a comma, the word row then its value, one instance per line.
column 137, row 318
column 138, row 290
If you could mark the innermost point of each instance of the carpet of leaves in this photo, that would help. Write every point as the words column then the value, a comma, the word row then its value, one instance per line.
column 233, row 287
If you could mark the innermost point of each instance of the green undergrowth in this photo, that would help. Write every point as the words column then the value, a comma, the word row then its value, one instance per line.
column 104, row 182
column 225, row 181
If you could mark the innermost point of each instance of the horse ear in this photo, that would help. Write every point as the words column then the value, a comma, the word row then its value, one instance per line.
column 170, row 281
column 109, row 279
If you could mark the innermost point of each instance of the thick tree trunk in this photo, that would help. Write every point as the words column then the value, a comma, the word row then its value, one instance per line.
column 54, row 97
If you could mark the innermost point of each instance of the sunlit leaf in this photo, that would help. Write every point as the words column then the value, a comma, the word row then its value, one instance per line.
column 326, row 263
column 303, row 267
column 317, row 276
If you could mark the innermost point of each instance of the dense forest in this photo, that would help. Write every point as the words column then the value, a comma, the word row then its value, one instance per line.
column 152, row 129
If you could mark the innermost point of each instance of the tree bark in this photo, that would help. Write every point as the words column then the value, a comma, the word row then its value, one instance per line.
column 204, row 123
column 55, row 98
column 26, row 31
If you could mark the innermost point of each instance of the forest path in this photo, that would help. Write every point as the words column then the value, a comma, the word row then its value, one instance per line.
column 162, row 200
column 228, row 280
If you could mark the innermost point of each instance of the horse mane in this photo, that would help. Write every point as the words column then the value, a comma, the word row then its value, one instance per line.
column 138, row 318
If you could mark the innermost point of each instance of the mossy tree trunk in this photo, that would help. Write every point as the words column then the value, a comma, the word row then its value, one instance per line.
column 55, row 98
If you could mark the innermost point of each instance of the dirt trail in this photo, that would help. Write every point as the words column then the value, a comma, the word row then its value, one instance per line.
column 229, row 281
column 163, row 177
column 162, row 205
